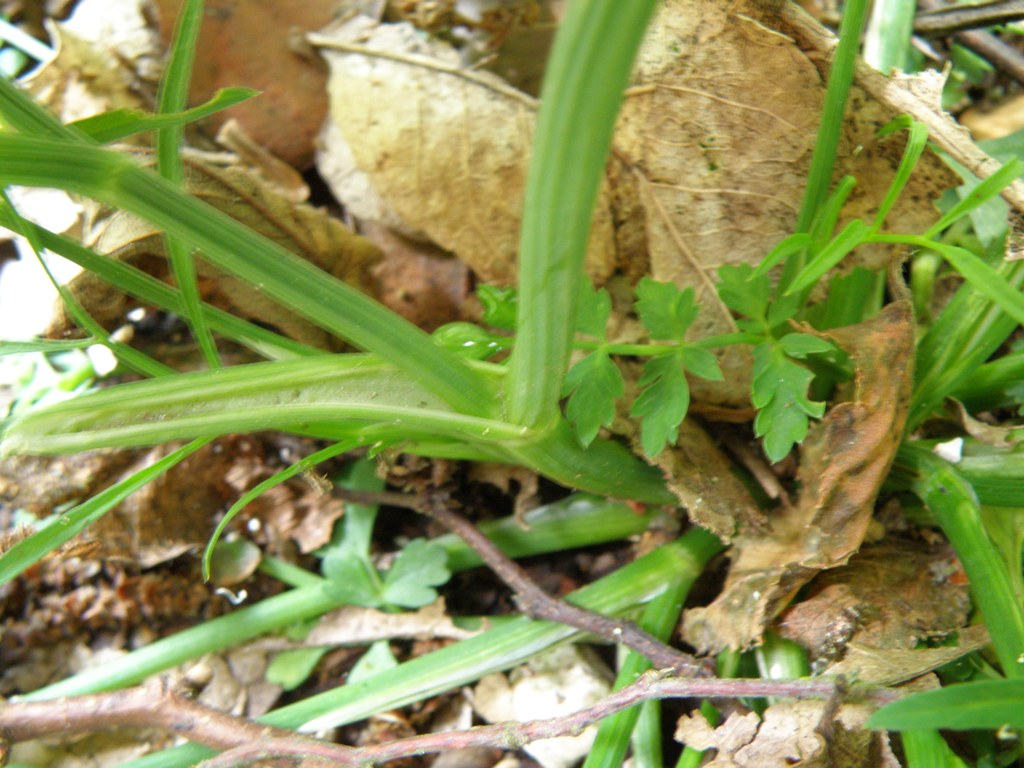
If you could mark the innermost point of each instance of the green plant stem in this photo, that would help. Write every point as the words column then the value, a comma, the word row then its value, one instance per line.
column 951, row 499
column 583, row 89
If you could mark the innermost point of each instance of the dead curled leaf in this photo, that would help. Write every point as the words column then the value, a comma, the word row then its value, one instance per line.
column 890, row 596
column 242, row 194
column 790, row 733
column 844, row 460
column 888, row 666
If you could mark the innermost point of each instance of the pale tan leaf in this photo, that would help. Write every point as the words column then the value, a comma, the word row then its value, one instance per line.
column 353, row 625
column 433, row 148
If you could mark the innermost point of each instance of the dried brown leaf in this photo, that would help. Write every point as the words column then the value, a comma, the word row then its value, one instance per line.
column 352, row 625
column 703, row 479
column 790, row 733
column 890, row 595
column 1001, row 437
column 242, row 194
column 258, row 45
column 843, row 463
column 889, row 666
column 434, row 149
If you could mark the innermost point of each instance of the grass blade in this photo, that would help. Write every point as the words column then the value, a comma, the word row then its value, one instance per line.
column 310, row 292
column 952, row 500
column 118, row 124
column 990, row 704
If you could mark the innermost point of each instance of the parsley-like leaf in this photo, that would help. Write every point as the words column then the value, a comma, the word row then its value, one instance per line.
column 593, row 385
column 595, row 305
column 352, row 577
column 804, row 344
column 663, row 403
column 664, row 309
column 701, row 362
column 746, row 295
column 419, row 567
column 779, row 392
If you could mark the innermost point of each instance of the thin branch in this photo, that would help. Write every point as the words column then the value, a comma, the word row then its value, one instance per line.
column 537, row 604
column 246, row 742
column 512, row 736
column 149, row 706
column 531, row 599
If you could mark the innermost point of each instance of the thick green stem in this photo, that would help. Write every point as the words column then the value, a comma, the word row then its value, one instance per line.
column 583, row 89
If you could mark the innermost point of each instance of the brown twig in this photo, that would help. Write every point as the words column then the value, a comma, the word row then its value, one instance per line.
column 511, row 736
column 245, row 742
column 537, row 604
column 531, row 599
column 939, row 20
column 147, row 706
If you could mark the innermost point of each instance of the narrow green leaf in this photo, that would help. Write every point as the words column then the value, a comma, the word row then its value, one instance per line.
column 663, row 403
column 887, row 40
column 916, row 142
column 986, row 190
column 274, row 480
column 953, row 502
column 119, row 124
column 989, row 704
column 43, row 345
column 852, row 235
column 172, row 97
column 282, row 275
column 795, row 243
column 824, row 224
